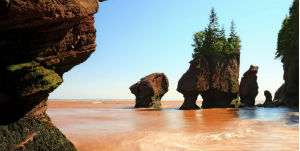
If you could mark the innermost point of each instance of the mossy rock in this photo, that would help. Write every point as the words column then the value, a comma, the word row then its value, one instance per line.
column 31, row 78
column 155, row 102
column 236, row 103
column 33, row 135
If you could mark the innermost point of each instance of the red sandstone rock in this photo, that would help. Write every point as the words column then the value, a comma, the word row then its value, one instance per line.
column 150, row 89
column 40, row 40
column 214, row 77
column 248, row 86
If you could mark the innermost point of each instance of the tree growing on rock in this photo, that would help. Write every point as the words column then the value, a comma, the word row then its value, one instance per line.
column 212, row 40
column 233, row 40
column 288, row 52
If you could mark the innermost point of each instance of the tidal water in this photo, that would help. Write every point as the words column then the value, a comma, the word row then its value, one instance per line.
column 117, row 126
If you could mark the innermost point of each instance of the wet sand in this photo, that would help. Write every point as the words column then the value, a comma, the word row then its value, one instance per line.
column 117, row 126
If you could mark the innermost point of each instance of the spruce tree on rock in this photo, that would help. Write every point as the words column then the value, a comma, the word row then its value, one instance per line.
column 212, row 40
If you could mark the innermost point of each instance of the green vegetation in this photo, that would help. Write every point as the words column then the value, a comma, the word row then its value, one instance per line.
column 235, row 81
column 213, row 41
column 288, row 36
column 33, row 134
column 156, row 102
column 288, row 48
column 35, row 76
column 21, row 66
column 236, row 103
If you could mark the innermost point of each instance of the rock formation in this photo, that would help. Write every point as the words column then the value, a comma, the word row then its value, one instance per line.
column 288, row 52
column 248, row 86
column 149, row 90
column 39, row 42
column 268, row 102
column 215, row 77
column 279, row 94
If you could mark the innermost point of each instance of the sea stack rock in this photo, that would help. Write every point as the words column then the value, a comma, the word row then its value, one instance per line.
column 39, row 42
column 268, row 102
column 249, row 87
column 215, row 77
column 149, row 90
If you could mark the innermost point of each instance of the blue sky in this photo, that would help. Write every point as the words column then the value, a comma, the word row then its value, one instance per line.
column 138, row 37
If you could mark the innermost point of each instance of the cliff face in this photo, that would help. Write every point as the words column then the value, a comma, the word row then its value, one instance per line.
column 39, row 41
column 214, row 77
column 288, row 51
column 150, row 89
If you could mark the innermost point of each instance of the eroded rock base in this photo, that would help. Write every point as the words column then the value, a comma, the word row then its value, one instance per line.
column 34, row 132
column 190, row 102
column 216, row 99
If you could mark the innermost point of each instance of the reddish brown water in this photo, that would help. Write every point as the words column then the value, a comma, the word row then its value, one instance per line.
column 115, row 125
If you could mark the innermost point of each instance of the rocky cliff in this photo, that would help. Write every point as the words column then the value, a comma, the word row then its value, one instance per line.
column 214, row 77
column 40, row 40
column 150, row 89
column 279, row 94
column 288, row 51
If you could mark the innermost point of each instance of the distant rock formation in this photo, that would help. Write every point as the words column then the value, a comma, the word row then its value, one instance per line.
column 248, row 86
column 268, row 102
column 149, row 90
column 215, row 77
column 39, row 42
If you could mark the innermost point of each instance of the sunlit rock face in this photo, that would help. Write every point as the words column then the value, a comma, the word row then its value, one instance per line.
column 249, row 87
column 215, row 78
column 149, row 90
column 40, row 40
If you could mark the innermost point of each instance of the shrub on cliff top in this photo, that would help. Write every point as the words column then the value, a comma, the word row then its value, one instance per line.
column 213, row 41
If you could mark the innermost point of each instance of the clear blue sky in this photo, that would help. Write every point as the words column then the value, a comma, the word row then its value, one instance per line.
column 136, row 38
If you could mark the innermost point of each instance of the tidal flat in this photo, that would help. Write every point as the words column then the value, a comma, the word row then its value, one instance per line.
column 116, row 125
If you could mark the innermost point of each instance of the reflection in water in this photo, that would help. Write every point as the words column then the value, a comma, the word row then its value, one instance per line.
column 115, row 125
column 289, row 115
column 217, row 118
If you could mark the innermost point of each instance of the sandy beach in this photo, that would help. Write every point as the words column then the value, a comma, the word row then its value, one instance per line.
column 116, row 125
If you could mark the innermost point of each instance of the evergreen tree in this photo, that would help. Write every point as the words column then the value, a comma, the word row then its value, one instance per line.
column 212, row 40
column 223, row 39
column 211, row 33
column 234, row 39
column 213, row 21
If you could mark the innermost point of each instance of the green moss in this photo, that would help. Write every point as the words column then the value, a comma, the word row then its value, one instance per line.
column 34, row 76
column 234, row 82
column 155, row 102
column 237, row 102
column 21, row 66
column 46, row 136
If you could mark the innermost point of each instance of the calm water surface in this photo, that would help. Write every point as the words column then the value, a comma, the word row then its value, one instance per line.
column 115, row 125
